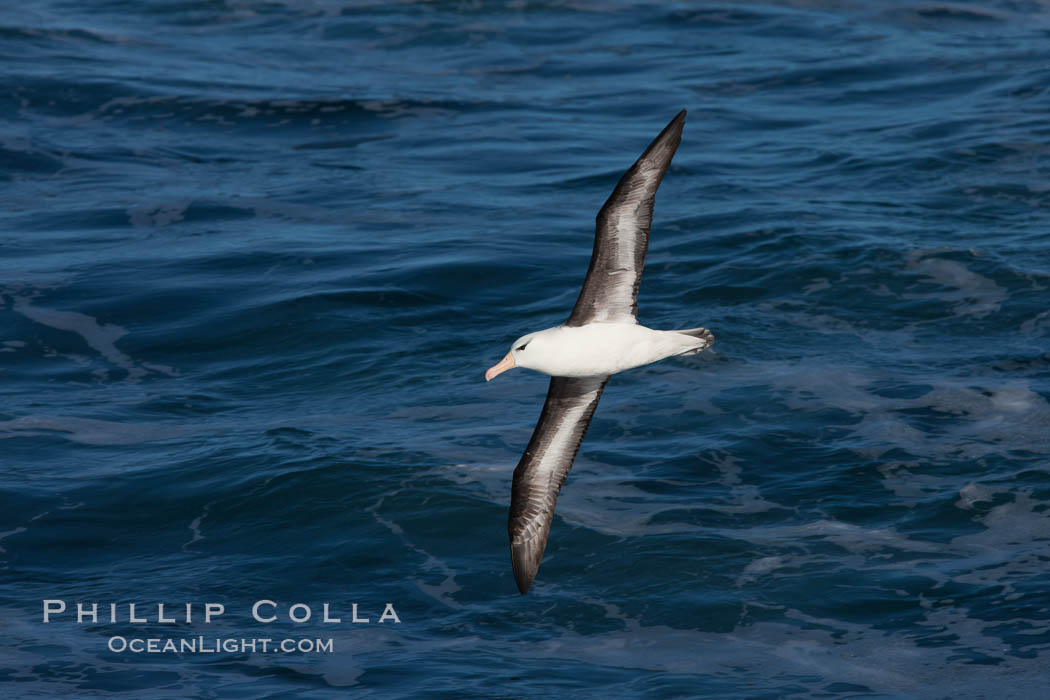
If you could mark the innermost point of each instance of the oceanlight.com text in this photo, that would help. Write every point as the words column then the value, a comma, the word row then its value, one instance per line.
column 219, row 645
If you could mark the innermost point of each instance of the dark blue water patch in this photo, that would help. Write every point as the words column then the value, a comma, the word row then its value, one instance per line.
column 27, row 159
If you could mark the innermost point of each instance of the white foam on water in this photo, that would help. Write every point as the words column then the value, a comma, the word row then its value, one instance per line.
column 195, row 527
column 800, row 651
column 971, row 294
column 100, row 337
column 444, row 591
column 89, row 431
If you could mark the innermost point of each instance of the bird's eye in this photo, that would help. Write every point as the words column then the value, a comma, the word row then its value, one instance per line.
column 521, row 347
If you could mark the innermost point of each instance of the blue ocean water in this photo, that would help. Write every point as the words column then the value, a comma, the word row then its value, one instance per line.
column 255, row 256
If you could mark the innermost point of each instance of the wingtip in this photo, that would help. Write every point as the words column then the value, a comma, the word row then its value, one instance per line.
column 525, row 564
column 657, row 155
column 677, row 123
column 524, row 582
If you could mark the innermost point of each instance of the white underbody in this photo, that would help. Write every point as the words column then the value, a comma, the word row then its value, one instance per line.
column 599, row 349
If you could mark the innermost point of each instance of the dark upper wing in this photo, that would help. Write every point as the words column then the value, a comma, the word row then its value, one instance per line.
column 543, row 468
column 610, row 292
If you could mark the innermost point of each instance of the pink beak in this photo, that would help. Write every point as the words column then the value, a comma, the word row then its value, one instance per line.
column 502, row 366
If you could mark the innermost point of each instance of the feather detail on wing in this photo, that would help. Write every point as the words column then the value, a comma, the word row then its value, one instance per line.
column 543, row 468
column 621, row 239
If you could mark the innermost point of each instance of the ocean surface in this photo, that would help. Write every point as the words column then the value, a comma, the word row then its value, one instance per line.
column 255, row 257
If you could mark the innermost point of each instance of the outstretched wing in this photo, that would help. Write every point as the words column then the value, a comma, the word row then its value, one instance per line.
column 543, row 468
column 610, row 292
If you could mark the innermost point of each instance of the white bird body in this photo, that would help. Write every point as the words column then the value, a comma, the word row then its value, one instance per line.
column 600, row 349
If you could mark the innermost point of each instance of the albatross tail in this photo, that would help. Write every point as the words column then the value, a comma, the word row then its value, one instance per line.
column 704, row 336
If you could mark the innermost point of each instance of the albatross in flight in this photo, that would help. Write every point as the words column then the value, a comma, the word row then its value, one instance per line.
column 601, row 337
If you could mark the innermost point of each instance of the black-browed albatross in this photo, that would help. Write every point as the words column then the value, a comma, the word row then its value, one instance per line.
column 601, row 337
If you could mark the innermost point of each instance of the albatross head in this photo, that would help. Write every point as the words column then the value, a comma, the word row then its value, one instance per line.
column 527, row 351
